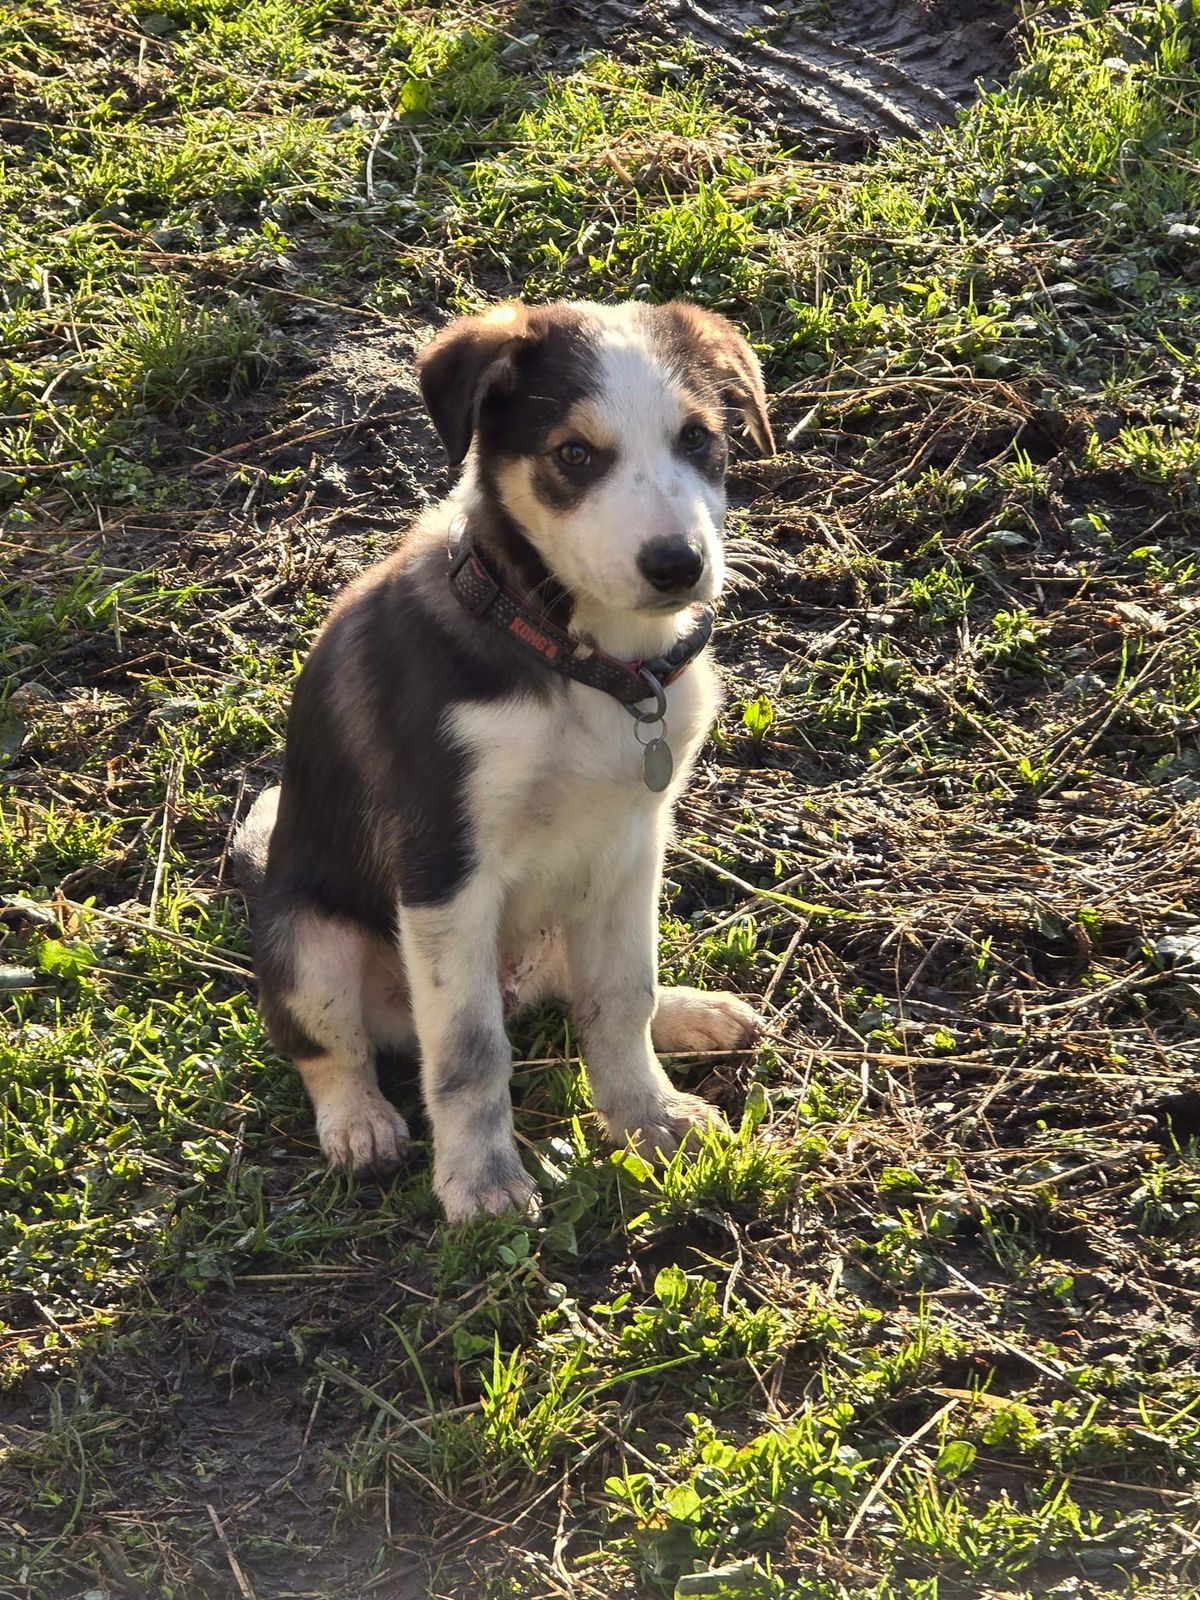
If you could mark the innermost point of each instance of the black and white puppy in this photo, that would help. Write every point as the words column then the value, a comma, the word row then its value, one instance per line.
column 470, row 818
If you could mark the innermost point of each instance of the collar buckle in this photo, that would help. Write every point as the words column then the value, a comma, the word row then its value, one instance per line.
column 675, row 662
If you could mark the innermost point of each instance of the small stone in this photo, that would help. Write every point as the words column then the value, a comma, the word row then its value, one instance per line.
column 1184, row 946
column 30, row 698
column 13, row 978
column 1089, row 1286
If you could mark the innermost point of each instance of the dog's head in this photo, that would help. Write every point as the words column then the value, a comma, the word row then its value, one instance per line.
column 603, row 433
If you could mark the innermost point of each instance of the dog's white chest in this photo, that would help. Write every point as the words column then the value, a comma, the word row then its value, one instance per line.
column 558, row 791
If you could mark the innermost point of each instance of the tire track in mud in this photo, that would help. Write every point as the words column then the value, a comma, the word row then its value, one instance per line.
column 878, row 69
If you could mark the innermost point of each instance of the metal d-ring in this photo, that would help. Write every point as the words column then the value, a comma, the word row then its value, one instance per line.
column 660, row 699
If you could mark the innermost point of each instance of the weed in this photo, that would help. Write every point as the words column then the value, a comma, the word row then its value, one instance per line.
column 168, row 352
column 1015, row 641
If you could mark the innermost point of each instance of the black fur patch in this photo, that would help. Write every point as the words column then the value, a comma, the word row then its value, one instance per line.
column 374, row 813
column 712, row 460
column 551, row 373
column 476, row 1057
column 495, row 533
column 563, row 487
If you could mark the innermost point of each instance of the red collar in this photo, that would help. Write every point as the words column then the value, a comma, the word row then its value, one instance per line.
column 484, row 594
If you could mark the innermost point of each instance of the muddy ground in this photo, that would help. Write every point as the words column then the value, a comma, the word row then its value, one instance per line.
column 842, row 75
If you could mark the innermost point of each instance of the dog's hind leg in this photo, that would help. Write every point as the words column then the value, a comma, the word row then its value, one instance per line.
column 701, row 1019
column 313, row 971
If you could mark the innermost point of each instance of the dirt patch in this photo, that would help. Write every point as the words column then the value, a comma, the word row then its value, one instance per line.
column 229, row 1432
column 355, row 455
column 845, row 80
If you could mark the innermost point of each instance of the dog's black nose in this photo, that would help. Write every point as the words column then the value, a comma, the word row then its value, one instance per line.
column 670, row 564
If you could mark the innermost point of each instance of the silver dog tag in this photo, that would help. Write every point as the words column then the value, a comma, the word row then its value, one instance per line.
column 657, row 765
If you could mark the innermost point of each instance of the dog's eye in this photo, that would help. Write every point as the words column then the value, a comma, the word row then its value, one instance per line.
column 573, row 454
column 694, row 438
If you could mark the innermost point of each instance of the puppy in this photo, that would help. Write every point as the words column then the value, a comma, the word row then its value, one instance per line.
column 487, row 737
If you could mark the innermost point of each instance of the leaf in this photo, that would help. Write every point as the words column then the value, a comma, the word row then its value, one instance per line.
column 634, row 1165
column 944, row 1219
column 756, row 1107
column 520, row 46
column 955, row 1458
column 13, row 734
column 682, row 1502
column 671, row 1287
column 416, row 95
column 560, row 1239
column 469, row 1346
column 67, row 960
column 758, row 715
column 514, row 1250
column 630, row 1488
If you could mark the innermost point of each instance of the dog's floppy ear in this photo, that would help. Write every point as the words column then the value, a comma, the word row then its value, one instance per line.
column 733, row 367
column 469, row 357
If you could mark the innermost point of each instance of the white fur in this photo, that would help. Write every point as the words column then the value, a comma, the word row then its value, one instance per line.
column 692, row 1021
column 570, row 844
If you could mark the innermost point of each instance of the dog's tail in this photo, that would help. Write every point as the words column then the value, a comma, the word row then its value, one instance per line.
column 248, row 853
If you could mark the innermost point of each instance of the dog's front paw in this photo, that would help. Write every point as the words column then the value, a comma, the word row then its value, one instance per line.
column 658, row 1127
column 695, row 1020
column 485, row 1185
column 363, row 1133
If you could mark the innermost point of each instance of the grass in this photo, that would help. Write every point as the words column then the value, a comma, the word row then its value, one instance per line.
column 921, row 1329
